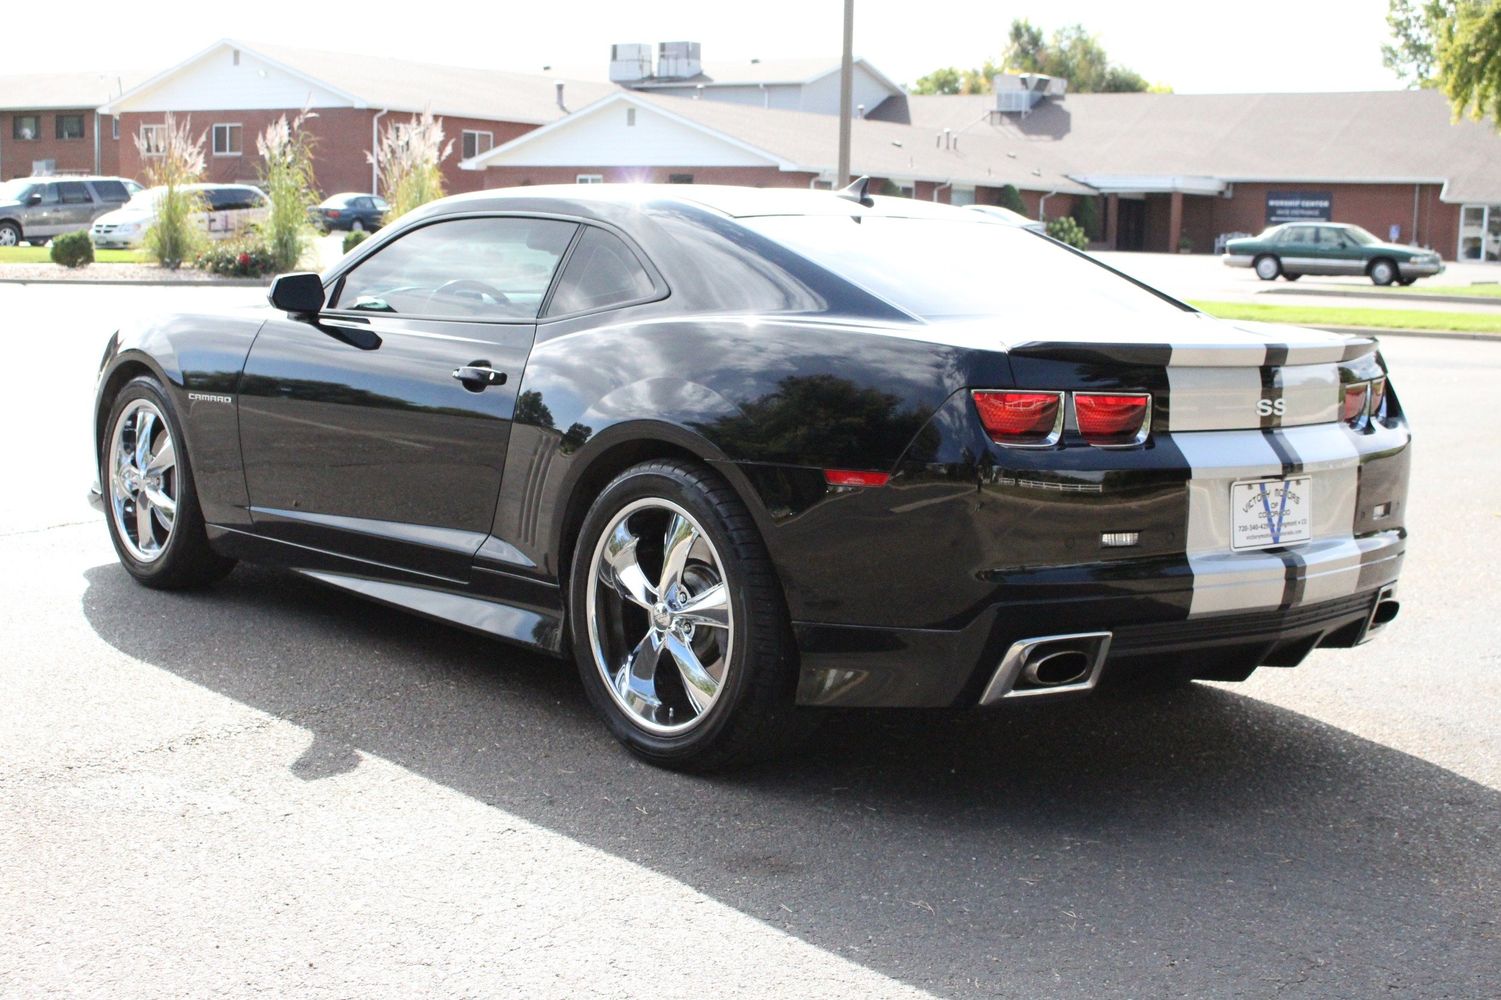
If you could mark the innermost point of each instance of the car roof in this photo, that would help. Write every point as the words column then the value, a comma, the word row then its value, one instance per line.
column 736, row 202
column 47, row 178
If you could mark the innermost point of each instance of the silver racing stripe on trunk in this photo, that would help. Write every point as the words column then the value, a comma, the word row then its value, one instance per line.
column 1224, row 398
column 1326, row 567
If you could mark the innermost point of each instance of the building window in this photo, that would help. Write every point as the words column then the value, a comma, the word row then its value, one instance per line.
column 1480, row 233
column 226, row 140
column 25, row 127
column 476, row 143
column 153, row 139
column 591, row 178
column 114, row 127
column 680, row 178
column 70, row 126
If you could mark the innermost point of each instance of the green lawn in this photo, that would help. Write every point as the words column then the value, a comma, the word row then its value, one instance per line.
column 1389, row 319
column 43, row 255
column 1483, row 291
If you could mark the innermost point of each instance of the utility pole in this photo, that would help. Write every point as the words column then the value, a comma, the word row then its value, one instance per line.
column 846, row 94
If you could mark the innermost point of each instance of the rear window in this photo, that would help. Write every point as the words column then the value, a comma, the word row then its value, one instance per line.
column 230, row 199
column 942, row 268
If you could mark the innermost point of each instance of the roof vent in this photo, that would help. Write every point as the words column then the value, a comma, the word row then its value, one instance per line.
column 630, row 62
column 678, row 60
column 1019, row 93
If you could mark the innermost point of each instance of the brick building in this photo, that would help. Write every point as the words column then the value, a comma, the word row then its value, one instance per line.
column 50, row 123
column 230, row 92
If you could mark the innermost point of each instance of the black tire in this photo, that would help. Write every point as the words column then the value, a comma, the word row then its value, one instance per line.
column 1267, row 267
column 1383, row 271
column 752, row 715
column 356, row 226
column 1404, row 282
column 10, row 234
column 186, row 560
column 1290, row 277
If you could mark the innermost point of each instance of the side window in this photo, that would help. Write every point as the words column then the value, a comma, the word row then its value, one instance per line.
column 1331, row 238
column 74, row 193
column 601, row 272
column 228, row 199
column 1296, row 234
column 50, row 194
column 111, row 191
column 482, row 269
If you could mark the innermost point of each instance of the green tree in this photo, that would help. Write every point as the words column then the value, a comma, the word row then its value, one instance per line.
column 1066, row 230
column 1070, row 53
column 940, row 81
column 1011, row 198
column 1454, row 45
column 1087, row 214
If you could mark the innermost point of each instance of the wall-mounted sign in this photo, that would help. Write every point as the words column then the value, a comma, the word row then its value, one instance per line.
column 1299, row 206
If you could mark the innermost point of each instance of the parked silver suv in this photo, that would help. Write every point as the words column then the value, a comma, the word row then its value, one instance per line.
column 35, row 209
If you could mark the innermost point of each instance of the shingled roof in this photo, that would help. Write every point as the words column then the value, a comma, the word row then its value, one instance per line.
column 1403, row 136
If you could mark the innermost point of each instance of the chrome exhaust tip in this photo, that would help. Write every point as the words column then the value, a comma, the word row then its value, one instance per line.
column 1049, row 665
column 1382, row 612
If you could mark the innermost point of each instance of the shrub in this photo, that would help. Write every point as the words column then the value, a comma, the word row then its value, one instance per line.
column 1066, row 230
column 73, row 249
column 409, row 160
column 354, row 238
column 246, row 256
column 1185, row 244
column 177, row 234
column 1087, row 215
column 287, row 175
column 1011, row 198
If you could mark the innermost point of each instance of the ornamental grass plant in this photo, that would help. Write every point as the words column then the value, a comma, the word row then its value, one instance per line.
column 176, row 161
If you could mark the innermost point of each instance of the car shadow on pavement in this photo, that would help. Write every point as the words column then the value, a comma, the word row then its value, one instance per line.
column 1199, row 843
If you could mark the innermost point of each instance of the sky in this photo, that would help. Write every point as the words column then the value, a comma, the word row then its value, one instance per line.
column 1194, row 46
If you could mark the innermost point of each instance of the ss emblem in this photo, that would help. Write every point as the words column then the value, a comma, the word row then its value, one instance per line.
column 1271, row 407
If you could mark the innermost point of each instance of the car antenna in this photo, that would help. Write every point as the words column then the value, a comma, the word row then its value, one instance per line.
column 858, row 192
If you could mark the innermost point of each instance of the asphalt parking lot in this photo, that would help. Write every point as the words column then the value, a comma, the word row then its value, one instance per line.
column 271, row 787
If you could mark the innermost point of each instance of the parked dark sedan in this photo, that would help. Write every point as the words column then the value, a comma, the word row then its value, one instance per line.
column 350, row 210
column 741, row 453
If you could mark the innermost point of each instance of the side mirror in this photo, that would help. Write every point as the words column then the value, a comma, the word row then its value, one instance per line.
column 35, row 198
column 297, row 293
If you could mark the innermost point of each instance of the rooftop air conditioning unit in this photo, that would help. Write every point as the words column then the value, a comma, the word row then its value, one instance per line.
column 630, row 62
column 678, row 60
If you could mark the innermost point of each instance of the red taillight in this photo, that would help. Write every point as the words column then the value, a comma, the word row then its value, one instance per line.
column 852, row 477
column 333, row 213
column 1111, row 418
column 1020, row 418
column 1353, row 409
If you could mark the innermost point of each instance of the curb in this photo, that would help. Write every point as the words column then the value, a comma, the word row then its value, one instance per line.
column 1392, row 297
column 153, row 282
column 1379, row 332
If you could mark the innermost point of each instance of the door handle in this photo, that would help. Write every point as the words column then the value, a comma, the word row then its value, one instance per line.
column 477, row 376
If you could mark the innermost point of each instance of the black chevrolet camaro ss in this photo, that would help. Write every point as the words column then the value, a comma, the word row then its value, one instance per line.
column 745, row 453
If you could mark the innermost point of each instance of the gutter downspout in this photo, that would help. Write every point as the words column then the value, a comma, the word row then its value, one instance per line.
column 939, row 187
column 98, row 169
column 1042, row 206
column 1415, row 242
column 375, row 151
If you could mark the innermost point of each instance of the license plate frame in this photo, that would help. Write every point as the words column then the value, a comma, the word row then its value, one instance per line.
column 1271, row 513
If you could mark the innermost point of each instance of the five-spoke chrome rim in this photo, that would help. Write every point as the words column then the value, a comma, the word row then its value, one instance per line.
column 143, row 483
column 660, row 624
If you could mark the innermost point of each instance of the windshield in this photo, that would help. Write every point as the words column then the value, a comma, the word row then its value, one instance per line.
column 942, row 268
column 15, row 190
column 146, row 200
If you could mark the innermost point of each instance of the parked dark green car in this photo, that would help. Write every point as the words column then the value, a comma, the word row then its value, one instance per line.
column 1294, row 249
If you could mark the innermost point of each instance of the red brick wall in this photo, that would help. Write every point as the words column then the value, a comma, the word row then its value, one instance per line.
column 74, row 156
column 342, row 138
column 498, row 177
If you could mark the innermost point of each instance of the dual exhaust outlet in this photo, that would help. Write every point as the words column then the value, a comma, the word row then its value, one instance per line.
column 1049, row 665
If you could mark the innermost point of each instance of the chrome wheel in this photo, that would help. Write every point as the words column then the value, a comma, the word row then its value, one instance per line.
column 1267, row 268
column 660, row 625
column 143, row 481
column 9, row 235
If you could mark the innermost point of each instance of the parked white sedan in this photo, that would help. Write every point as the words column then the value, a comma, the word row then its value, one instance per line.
column 231, row 208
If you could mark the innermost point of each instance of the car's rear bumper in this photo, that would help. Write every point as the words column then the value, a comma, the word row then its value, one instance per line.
column 1328, row 601
column 1237, row 259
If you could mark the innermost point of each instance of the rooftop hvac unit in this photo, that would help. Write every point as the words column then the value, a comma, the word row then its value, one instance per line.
column 678, row 60
column 630, row 62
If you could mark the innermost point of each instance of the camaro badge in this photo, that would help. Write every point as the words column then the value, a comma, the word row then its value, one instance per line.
column 209, row 397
